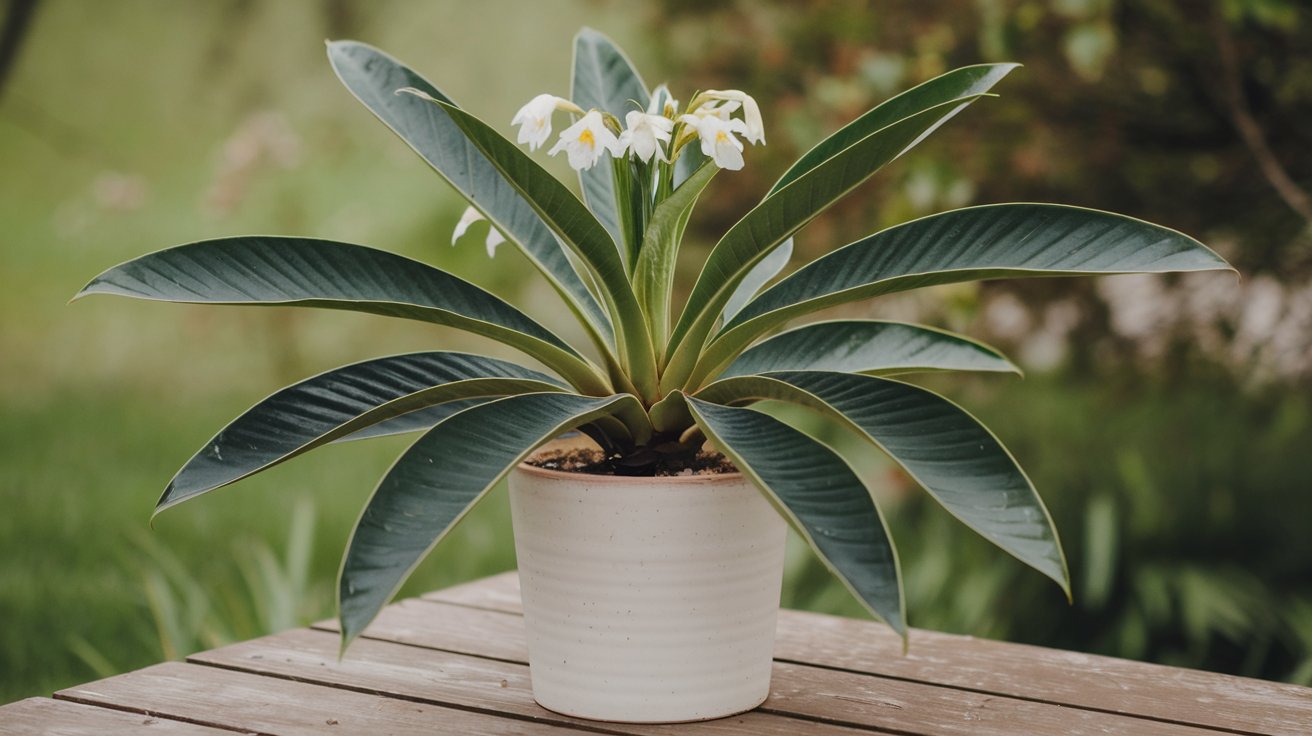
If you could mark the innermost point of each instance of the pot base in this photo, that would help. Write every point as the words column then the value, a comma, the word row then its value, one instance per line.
column 666, row 722
column 647, row 600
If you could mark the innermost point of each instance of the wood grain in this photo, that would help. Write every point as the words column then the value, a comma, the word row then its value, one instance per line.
column 444, row 678
column 454, row 662
column 251, row 703
column 46, row 717
column 800, row 691
column 1224, row 702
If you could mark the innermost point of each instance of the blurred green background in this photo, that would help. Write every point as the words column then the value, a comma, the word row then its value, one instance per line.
column 1166, row 420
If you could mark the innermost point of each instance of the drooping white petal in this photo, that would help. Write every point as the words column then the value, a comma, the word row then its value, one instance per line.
column 720, row 110
column 471, row 216
column 751, row 111
column 467, row 218
column 494, row 238
column 534, row 119
column 644, row 134
column 585, row 141
column 718, row 140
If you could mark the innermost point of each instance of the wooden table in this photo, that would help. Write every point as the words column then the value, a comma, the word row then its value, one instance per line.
column 454, row 662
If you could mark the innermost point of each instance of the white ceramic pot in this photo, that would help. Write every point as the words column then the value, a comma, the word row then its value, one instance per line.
column 647, row 600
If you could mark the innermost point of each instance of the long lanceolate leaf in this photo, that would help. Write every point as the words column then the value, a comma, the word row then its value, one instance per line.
column 823, row 498
column 436, row 482
column 604, row 79
column 777, row 218
column 282, row 271
column 339, row 403
column 373, row 77
column 570, row 219
column 759, row 275
column 872, row 347
column 987, row 242
column 964, row 82
column 958, row 461
column 419, row 420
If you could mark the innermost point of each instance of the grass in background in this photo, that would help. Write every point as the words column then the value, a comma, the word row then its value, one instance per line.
column 1183, row 507
column 88, row 589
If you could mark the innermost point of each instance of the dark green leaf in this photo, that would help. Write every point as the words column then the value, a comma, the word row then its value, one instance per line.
column 988, row 242
column 435, row 483
column 868, row 346
column 776, row 219
column 967, row 81
column 283, row 271
column 416, row 421
column 766, row 269
column 958, row 461
column 825, row 501
column 604, row 79
column 337, row 404
column 373, row 78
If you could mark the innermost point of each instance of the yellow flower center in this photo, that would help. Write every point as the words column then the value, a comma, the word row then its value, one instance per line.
column 586, row 138
column 721, row 136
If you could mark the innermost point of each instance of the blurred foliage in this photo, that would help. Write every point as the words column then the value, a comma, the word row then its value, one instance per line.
column 1187, row 545
column 1124, row 105
column 1168, row 422
column 1173, row 454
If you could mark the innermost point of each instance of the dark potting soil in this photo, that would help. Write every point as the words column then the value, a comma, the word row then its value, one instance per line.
column 595, row 462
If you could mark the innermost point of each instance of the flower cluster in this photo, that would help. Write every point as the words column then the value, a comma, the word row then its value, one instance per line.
column 651, row 140
column 658, row 133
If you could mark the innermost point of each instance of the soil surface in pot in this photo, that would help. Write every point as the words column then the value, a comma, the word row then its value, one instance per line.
column 595, row 462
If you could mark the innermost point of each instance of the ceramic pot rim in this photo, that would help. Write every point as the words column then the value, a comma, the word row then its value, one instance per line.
column 563, row 475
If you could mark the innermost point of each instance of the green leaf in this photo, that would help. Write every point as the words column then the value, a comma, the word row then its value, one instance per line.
column 338, row 403
column 868, row 346
column 775, row 219
column 571, row 220
column 954, row 457
column 987, row 242
column 435, row 483
column 604, row 79
column 373, row 78
column 967, row 81
column 420, row 420
column 654, row 277
column 766, row 269
column 306, row 272
column 820, row 495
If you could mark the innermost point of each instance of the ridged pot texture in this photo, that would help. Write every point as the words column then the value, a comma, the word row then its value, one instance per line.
column 647, row 600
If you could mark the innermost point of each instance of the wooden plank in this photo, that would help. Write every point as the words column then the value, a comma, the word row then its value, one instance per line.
column 1238, row 704
column 468, row 682
column 251, row 703
column 855, row 699
column 48, row 717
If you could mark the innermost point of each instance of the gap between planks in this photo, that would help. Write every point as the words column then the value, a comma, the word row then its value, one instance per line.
column 1096, row 683
column 821, row 695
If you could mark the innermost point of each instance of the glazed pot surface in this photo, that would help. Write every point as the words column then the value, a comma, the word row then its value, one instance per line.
column 647, row 599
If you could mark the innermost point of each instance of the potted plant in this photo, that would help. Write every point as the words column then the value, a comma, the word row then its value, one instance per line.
column 650, row 591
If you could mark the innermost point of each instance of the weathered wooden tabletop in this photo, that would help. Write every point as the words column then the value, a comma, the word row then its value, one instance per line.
column 454, row 662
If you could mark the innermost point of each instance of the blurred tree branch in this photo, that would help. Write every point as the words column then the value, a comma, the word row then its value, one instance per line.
column 1249, row 129
column 18, row 20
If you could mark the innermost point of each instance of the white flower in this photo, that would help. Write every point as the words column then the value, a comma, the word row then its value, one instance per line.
column 471, row 216
column 717, row 139
column 586, row 140
column 644, row 134
column 719, row 110
column 751, row 112
column 534, row 119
